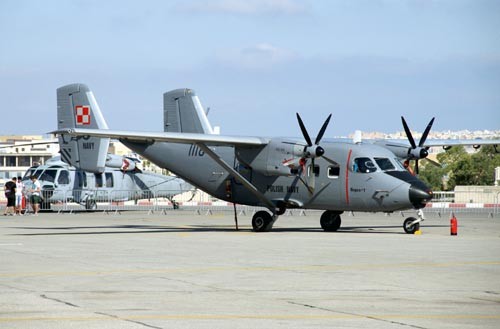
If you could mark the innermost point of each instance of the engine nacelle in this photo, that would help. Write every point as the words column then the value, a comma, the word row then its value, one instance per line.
column 417, row 153
column 120, row 162
column 277, row 158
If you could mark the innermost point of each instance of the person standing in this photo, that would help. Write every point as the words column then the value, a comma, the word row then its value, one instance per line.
column 35, row 199
column 10, row 194
column 19, row 196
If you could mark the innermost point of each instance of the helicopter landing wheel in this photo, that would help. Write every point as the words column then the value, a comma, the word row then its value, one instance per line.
column 90, row 204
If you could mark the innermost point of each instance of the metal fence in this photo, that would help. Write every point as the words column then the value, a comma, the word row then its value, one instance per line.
column 200, row 203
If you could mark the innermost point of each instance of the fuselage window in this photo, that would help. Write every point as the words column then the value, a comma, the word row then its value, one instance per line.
column 333, row 171
column 315, row 170
column 109, row 179
column 384, row 164
column 63, row 177
column 98, row 180
column 363, row 165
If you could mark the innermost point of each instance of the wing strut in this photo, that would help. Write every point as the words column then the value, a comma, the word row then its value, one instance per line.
column 238, row 177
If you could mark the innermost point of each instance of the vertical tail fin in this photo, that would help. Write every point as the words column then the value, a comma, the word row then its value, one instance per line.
column 182, row 112
column 77, row 108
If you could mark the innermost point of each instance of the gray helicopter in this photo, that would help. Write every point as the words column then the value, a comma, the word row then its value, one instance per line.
column 120, row 180
column 275, row 173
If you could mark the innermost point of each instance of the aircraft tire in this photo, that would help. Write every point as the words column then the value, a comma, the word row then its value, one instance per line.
column 330, row 221
column 410, row 229
column 90, row 204
column 262, row 221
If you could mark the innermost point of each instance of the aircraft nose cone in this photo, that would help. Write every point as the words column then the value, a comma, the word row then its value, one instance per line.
column 419, row 195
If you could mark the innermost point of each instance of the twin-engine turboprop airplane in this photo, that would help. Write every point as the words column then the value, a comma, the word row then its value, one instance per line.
column 276, row 173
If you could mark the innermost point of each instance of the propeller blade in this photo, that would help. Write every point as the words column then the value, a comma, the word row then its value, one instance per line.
column 416, row 167
column 426, row 132
column 437, row 164
column 322, row 131
column 304, row 131
column 329, row 160
column 408, row 134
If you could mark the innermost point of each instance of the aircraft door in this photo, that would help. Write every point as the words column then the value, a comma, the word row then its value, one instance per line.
column 79, row 184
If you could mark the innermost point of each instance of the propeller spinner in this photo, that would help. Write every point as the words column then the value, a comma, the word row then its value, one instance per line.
column 312, row 151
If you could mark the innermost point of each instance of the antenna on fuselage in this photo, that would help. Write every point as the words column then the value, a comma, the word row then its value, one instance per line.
column 357, row 137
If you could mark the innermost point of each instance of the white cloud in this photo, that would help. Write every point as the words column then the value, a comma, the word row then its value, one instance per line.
column 261, row 55
column 245, row 7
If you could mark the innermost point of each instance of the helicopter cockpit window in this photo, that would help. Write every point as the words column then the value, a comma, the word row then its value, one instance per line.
column 363, row 165
column 385, row 164
column 37, row 173
column 63, row 177
column 48, row 175
column 28, row 173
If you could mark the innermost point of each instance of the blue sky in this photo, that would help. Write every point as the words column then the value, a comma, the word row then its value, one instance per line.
column 255, row 63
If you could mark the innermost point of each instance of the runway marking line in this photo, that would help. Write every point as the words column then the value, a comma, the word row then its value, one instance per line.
column 246, row 268
column 259, row 317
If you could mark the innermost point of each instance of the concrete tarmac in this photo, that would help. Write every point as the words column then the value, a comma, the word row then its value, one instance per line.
column 180, row 270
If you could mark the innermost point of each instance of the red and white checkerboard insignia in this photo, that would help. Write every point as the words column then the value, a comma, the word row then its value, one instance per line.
column 82, row 115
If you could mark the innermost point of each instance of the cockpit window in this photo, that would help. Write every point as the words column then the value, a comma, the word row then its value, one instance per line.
column 399, row 164
column 48, row 175
column 363, row 165
column 384, row 164
column 37, row 173
column 28, row 173
column 63, row 177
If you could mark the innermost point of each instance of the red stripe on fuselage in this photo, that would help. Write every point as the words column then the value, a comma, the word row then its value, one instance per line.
column 347, row 177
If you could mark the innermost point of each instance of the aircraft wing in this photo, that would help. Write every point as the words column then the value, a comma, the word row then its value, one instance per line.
column 185, row 138
column 439, row 142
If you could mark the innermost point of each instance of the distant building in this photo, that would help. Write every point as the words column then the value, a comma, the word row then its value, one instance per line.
column 16, row 157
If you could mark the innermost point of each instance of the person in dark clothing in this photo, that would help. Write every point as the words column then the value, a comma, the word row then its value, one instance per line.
column 10, row 194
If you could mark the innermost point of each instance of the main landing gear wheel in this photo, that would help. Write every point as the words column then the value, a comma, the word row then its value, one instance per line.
column 408, row 227
column 262, row 221
column 330, row 221
column 90, row 204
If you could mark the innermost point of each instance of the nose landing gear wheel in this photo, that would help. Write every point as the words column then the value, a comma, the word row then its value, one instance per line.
column 408, row 227
column 262, row 221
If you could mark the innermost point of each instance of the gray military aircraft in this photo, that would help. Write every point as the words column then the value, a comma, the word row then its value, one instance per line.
column 121, row 180
column 276, row 173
